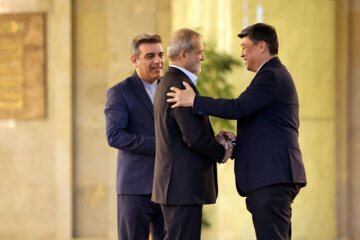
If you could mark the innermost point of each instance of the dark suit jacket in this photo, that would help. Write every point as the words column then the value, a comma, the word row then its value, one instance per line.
column 130, row 129
column 267, row 150
column 186, row 152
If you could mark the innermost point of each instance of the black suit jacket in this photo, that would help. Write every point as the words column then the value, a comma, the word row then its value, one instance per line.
column 267, row 150
column 186, row 151
column 130, row 129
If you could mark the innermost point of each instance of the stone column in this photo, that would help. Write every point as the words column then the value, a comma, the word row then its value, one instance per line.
column 348, row 118
column 61, row 30
column 341, row 70
column 354, row 119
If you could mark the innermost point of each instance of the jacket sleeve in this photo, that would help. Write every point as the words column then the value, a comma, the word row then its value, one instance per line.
column 193, row 132
column 260, row 93
column 117, row 127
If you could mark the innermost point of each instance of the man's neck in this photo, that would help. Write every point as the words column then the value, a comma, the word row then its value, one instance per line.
column 265, row 60
column 177, row 63
column 190, row 75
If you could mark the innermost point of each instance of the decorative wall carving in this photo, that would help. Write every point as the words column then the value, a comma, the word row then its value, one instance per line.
column 22, row 66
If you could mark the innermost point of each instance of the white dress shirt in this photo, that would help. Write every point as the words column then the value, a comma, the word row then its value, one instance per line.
column 150, row 89
column 192, row 76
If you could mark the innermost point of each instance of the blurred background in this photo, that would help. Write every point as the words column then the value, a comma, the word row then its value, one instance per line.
column 57, row 173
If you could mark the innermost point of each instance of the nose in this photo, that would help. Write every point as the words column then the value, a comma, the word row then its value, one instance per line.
column 202, row 57
column 158, row 59
column 242, row 54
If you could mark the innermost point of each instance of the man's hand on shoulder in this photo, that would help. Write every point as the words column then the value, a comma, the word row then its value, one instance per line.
column 181, row 98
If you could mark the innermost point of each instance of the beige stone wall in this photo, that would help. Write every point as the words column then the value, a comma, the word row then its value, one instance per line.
column 103, row 31
column 58, row 174
column 91, row 154
column 35, row 155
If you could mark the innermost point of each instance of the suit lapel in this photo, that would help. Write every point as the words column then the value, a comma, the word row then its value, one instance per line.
column 140, row 92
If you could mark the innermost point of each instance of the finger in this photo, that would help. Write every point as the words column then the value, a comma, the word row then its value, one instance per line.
column 231, row 135
column 186, row 85
column 175, row 89
column 171, row 94
column 221, row 133
column 171, row 100
column 220, row 139
column 175, row 105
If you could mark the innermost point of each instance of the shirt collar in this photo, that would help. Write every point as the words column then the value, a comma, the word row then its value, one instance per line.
column 192, row 76
column 262, row 65
column 151, row 85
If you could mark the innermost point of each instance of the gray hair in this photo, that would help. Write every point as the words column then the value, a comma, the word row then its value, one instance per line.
column 181, row 39
column 140, row 39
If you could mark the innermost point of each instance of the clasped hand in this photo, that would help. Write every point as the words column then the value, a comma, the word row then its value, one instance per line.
column 225, row 138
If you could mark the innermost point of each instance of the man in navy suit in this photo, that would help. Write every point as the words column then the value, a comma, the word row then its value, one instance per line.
column 130, row 129
column 268, row 165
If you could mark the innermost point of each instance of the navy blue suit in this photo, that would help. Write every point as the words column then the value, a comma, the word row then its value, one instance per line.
column 267, row 151
column 130, row 129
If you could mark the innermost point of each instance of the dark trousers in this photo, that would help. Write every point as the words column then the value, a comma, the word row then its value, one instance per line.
column 271, row 211
column 138, row 216
column 182, row 222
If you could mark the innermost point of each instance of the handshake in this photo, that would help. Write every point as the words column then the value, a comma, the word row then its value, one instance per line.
column 225, row 138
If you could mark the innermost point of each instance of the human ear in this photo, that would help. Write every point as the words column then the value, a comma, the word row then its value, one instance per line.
column 133, row 60
column 182, row 54
column 262, row 46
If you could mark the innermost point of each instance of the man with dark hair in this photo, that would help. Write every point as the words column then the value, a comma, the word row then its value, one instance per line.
column 268, row 165
column 130, row 129
column 262, row 32
column 186, row 151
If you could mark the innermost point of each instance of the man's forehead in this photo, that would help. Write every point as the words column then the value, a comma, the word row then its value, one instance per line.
column 245, row 40
column 196, row 42
column 150, row 47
